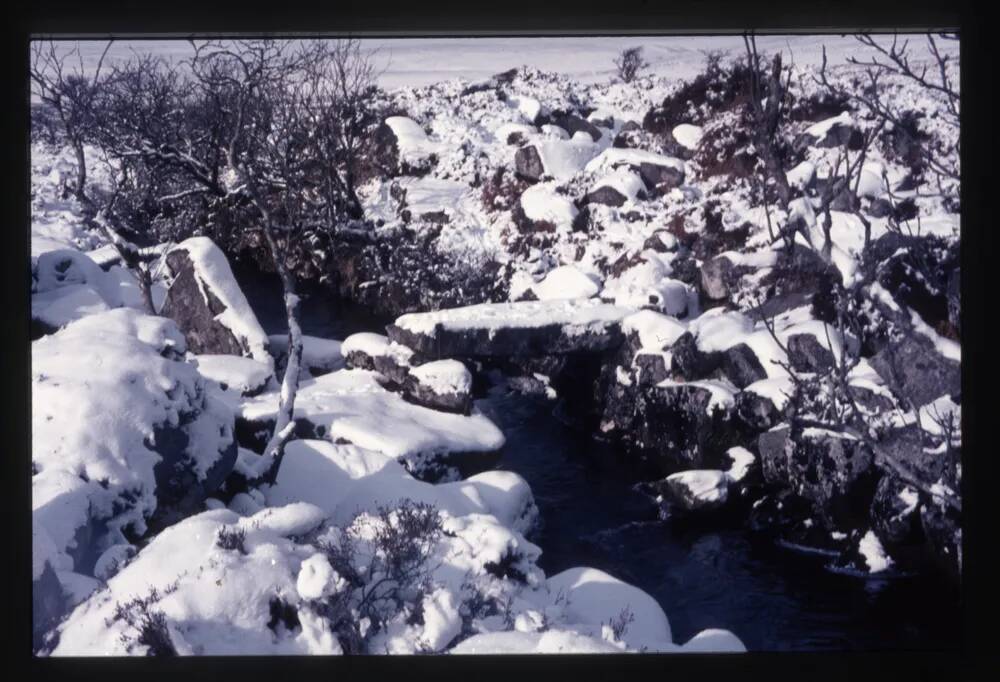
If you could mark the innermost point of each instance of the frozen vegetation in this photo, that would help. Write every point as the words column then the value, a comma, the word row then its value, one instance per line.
column 759, row 302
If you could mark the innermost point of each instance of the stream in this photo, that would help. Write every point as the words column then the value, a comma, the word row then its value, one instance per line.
column 772, row 598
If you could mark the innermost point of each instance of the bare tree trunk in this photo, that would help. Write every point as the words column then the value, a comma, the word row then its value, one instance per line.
column 284, row 425
column 81, row 170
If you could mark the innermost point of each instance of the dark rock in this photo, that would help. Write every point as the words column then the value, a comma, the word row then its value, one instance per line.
column 894, row 519
column 651, row 368
column 656, row 243
column 955, row 299
column 836, row 473
column 807, row 354
column 839, row 134
column 942, row 528
column 528, row 164
column 774, row 446
column 689, row 361
column 719, row 278
column 573, row 124
column 674, row 427
column 605, row 195
column 186, row 305
column 526, row 225
column 438, row 217
column 757, row 412
column 914, row 370
column 416, row 391
column 740, row 365
column 660, row 179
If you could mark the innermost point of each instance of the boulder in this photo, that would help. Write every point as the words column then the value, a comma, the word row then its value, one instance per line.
column 833, row 132
column 835, row 472
column 660, row 179
column 684, row 424
column 696, row 489
column 691, row 362
column 740, row 365
column 758, row 412
column 773, row 446
column 441, row 385
column 550, row 327
column 913, row 368
column 207, row 304
column 719, row 277
column 807, row 354
column 895, row 512
column 573, row 124
column 528, row 164
column 607, row 196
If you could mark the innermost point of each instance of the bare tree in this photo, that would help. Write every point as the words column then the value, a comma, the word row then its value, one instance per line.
column 629, row 63
column 70, row 91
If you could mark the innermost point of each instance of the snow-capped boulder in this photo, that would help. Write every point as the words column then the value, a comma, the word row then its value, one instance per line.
column 542, row 209
column 687, row 135
column 697, row 489
column 616, row 188
column 124, row 433
column 404, row 147
column 246, row 376
column 807, row 354
column 719, row 277
column 353, row 406
column 518, row 328
column 361, row 349
column 441, row 385
column 207, row 304
column 566, row 281
column 740, row 364
column 659, row 173
column 760, row 405
column 837, row 131
column 573, row 124
column 648, row 284
column 528, row 163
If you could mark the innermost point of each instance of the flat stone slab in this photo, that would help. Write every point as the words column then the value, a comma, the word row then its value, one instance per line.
column 517, row 328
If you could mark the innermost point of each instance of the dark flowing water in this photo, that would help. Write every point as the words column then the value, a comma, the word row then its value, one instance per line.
column 727, row 577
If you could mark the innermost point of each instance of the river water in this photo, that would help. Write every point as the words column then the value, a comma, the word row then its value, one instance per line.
column 773, row 599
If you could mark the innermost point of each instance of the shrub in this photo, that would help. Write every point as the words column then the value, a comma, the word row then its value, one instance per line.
column 629, row 63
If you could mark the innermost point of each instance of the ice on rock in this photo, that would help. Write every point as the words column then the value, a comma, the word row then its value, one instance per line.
column 566, row 281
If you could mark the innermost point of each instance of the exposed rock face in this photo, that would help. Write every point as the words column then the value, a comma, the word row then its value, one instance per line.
column 528, row 164
column 758, row 412
column 914, row 369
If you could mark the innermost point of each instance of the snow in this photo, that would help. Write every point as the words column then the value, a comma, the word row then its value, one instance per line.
column 368, row 343
column 722, row 392
column 819, row 130
column 742, row 460
column 624, row 181
column 562, row 159
column 566, row 281
column 541, row 202
column 244, row 375
column 871, row 183
column 444, row 376
column 801, row 175
column 318, row 354
column 615, row 156
column 442, row 620
column 946, row 347
column 414, row 147
column 317, row 579
column 212, row 271
column 648, row 284
column 529, row 107
column 100, row 388
column 874, row 554
column 776, row 389
column 553, row 641
column 687, row 135
column 656, row 331
column 717, row 329
column 353, row 405
column 704, row 485
column 577, row 313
